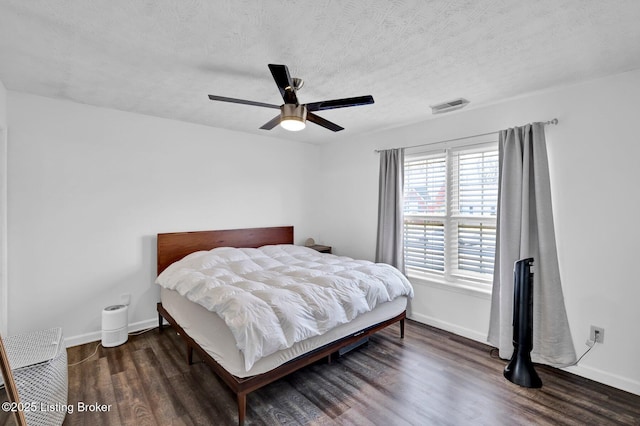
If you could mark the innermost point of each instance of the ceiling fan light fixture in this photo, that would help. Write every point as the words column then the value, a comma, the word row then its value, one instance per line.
column 293, row 117
column 293, row 124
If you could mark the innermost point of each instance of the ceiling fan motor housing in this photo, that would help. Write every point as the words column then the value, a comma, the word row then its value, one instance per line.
column 293, row 112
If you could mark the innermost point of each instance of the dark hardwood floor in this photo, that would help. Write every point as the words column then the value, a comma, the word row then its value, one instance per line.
column 430, row 377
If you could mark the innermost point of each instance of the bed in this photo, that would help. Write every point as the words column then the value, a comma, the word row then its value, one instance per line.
column 206, row 332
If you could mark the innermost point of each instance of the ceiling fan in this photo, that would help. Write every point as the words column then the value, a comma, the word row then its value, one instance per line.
column 293, row 115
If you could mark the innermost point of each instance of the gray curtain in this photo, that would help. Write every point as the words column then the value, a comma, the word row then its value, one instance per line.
column 389, row 244
column 525, row 229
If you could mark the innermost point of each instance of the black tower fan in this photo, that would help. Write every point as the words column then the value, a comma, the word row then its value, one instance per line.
column 520, row 369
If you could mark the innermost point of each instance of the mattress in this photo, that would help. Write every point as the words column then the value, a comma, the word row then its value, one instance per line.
column 212, row 334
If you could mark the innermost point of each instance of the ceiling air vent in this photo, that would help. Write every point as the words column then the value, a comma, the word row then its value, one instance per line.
column 449, row 106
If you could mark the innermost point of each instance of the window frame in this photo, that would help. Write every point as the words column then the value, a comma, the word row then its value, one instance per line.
column 452, row 276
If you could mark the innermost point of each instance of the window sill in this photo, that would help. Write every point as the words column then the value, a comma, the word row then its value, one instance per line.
column 460, row 286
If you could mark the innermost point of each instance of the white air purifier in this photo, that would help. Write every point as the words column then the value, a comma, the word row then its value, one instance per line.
column 115, row 323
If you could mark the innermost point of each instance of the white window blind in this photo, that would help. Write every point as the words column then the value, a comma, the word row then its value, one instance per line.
column 476, row 247
column 424, row 244
column 474, row 190
column 450, row 212
column 425, row 186
column 425, row 208
column 474, row 179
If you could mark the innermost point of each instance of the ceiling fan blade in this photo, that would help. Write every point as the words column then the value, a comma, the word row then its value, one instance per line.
column 340, row 103
column 284, row 82
column 242, row 101
column 271, row 123
column 322, row 122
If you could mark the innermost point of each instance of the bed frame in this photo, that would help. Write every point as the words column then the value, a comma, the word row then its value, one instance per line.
column 174, row 246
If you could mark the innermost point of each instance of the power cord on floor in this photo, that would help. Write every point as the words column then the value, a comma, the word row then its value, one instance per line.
column 80, row 362
column 137, row 333
column 590, row 343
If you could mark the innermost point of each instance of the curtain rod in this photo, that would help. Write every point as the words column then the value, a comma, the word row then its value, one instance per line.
column 553, row 122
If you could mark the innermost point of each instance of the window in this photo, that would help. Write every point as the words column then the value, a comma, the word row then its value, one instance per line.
column 450, row 206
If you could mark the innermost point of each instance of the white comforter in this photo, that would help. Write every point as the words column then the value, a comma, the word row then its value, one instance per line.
column 274, row 296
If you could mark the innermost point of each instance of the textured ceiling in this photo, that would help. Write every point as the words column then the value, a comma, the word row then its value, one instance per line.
column 162, row 57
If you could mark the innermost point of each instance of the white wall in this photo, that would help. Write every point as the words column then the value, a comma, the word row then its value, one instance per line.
column 3, row 210
column 593, row 156
column 3, row 105
column 89, row 189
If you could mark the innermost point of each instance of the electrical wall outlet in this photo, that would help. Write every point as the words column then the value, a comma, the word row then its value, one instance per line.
column 596, row 334
column 125, row 299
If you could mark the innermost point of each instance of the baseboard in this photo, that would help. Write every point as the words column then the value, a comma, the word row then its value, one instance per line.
column 594, row 374
column 452, row 328
column 613, row 380
column 95, row 336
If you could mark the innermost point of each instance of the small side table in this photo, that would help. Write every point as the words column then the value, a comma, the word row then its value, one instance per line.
column 321, row 248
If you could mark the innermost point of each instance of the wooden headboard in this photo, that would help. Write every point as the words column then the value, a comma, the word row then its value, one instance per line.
column 174, row 246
